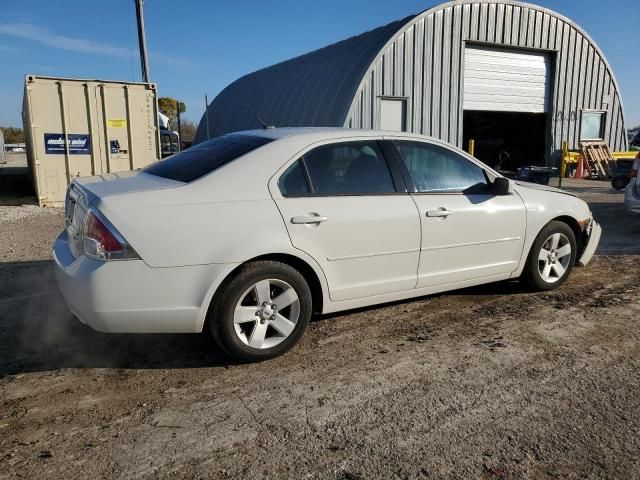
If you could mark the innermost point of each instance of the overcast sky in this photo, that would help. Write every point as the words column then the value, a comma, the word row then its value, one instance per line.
column 200, row 46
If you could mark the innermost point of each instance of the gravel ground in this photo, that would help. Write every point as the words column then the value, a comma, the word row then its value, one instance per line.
column 489, row 382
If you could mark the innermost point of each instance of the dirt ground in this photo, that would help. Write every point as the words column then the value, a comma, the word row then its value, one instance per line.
column 489, row 382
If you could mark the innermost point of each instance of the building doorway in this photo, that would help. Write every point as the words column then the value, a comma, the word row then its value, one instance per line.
column 521, row 135
column 506, row 100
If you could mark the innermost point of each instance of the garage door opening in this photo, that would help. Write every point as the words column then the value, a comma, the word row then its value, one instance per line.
column 520, row 135
column 506, row 100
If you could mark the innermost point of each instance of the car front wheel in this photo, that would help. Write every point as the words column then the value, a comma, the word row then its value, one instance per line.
column 552, row 257
column 261, row 312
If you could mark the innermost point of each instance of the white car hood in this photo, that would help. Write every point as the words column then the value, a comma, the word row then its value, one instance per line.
column 545, row 188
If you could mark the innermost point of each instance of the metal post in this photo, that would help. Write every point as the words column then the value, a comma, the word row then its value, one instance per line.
column 563, row 161
column 179, row 126
column 206, row 113
column 65, row 132
column 472, row 147
column 142, row 42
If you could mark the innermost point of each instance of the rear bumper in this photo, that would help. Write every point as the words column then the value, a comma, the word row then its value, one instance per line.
column 592, row 244
column 631, row 198
column 129, row 296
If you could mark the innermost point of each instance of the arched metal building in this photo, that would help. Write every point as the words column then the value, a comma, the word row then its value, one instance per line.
column 513, row 76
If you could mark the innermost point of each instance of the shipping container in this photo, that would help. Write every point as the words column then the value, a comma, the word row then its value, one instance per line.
column 75, row 128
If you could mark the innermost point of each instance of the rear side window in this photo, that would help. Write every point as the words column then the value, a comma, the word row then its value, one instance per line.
column 349, row 168
column 292, row 182
column 204, row 158
column 437, row 169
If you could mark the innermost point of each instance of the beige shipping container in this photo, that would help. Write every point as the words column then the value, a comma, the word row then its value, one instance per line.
column 76, row 128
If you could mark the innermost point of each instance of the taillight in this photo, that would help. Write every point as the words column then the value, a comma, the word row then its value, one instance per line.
column 103, row 241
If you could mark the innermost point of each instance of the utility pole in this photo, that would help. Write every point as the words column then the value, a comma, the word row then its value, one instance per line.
column 142, row 42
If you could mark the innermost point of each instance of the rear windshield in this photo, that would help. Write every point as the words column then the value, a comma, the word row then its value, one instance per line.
column 205, row 157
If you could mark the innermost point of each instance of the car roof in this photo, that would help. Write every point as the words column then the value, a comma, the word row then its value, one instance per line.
column 326, row 133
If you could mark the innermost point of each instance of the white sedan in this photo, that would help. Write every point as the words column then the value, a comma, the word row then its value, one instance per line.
column 248, row 234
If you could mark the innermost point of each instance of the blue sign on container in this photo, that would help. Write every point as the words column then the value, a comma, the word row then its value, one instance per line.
column 79, row 144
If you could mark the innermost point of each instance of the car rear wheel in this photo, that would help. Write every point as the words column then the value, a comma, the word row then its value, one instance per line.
column 552, row 257
column 261, row 312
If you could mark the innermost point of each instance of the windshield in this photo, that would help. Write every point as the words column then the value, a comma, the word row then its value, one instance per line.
column 204, row 158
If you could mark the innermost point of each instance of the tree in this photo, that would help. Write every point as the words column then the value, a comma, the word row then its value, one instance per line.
column 12, row 134
column 187, row 130
column 169, row 106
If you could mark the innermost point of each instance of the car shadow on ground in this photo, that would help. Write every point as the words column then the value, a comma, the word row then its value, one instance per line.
column 37, row 333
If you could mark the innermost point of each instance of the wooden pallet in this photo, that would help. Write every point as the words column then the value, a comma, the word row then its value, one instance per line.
column 597, row 159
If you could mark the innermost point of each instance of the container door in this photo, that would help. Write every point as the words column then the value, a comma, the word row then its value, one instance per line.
column 142, row 126
column 115, row 127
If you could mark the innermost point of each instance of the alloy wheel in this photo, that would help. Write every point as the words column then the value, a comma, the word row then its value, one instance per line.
column 266, row 313
column 554, row 257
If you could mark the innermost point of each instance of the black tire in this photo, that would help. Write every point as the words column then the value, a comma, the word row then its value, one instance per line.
column 531, row 274
column 220, row 319
column 620, row 182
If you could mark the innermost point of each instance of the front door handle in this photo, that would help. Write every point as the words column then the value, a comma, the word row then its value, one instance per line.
column 305, row 219
column 440, row 212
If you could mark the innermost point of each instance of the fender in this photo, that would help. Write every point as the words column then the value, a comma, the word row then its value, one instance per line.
column 229, row 268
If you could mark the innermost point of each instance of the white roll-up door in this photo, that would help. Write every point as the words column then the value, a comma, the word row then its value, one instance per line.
column 506, row 80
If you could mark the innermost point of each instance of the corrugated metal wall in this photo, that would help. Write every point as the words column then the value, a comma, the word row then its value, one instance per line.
column 424, row 63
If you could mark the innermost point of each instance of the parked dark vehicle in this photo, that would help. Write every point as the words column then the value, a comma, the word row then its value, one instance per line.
column 534, row 174
column 622, row 173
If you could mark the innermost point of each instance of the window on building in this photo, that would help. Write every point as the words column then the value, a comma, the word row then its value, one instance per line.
column 592, row 126
column 437, row 169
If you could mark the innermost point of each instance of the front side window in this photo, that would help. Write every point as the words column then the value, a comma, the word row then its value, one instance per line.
column 204, row 158
column 438, row 169
column 349, row 168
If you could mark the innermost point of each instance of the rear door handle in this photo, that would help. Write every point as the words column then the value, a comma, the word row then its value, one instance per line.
column 440, row 212
column 304, row 219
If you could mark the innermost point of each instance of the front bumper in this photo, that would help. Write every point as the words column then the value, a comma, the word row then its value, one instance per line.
column 128, row 296
column 592, row 243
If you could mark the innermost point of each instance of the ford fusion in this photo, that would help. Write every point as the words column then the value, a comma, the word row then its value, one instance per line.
column 246, row 235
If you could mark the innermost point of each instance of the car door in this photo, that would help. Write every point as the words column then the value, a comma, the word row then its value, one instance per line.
column 468, row 232
column 347, row 207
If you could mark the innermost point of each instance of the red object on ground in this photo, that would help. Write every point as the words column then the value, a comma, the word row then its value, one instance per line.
column 580, row 168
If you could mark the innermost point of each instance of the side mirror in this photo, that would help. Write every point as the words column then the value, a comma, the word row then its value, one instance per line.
column 501, row 186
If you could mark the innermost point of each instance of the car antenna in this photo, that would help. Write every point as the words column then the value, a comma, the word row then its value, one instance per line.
column 263, row 123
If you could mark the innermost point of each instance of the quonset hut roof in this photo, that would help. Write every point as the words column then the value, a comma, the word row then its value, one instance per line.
column 313, row 89
column 421, row 59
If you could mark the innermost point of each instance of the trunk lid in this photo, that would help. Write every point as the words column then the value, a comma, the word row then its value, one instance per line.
column 125, row 182
column 83, row 192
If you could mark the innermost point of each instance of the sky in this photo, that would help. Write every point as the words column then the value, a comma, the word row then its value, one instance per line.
column 200, row 46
